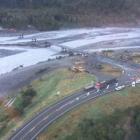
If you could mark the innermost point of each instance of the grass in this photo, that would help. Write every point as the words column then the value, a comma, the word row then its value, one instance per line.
column 63, row 81
column 109, row 70
column 103, row 106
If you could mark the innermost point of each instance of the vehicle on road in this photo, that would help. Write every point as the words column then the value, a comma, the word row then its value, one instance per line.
column 116, row 84
column 77, row 98
column 134, row 84
column 112, row 81
column 106, row 84
column 88, row 93
column 89, row 87
column 120, row 88
column 100, row 85
column 138, row 81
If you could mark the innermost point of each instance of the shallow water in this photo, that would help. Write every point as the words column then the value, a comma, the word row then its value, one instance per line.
column 26, row 57
column 87, row 39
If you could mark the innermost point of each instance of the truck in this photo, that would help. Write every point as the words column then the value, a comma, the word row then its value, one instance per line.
column 112, row 81
column 104, row 84
column 100, row 85
column 89, row 87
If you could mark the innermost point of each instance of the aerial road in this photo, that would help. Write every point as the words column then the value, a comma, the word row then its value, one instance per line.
column 87, row 41
column 36, row 125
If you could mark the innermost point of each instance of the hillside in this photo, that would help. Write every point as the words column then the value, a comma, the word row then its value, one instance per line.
column 111, row 117
column 55, row 14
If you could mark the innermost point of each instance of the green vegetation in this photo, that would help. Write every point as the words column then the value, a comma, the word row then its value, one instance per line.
column 4, row 117
column 114, row 116
column 24, row 99
column 113, row 127
column 55, row 14
column 55, row 86
column 8, row 114
column 41, row 93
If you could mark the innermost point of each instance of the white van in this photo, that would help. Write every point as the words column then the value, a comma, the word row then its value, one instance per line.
column 138, row 81
column 134, row 84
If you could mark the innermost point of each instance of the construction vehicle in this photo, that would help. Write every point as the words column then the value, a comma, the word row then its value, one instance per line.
column 21, row 36
column 78, row 67
column 34, row 40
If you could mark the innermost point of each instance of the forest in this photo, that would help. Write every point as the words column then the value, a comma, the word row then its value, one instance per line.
column 56, row 14
column 121, row 125
column 111, row 4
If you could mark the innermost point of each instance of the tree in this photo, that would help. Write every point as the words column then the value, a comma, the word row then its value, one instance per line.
column 24, row 99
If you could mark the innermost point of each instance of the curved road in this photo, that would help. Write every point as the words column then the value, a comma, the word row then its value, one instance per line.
column 35, row 126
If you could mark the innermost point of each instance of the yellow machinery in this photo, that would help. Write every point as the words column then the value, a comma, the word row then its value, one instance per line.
column 78, row 67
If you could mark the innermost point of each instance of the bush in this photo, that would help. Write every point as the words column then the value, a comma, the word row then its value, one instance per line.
column 97, row 130
column 56, row 14
column 29, row 92
column 24, row 99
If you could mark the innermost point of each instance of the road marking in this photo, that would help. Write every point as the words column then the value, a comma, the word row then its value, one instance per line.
column 42, row 113
column 107, row 86
column 77, row 99
column 46, row 118
column 12, row 102
column 61, row 107
column 35, row 126
column 49, row 115
column 60, row 116
column 32, row 129
column 88, row 93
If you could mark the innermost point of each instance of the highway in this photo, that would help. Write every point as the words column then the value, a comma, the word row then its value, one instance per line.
column 34, row 127
column 86, row 40
column 49, row 115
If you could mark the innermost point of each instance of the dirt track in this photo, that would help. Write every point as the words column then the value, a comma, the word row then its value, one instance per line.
column 15, row 80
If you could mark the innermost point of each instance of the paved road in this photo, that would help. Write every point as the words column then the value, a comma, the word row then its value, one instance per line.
column 35, row 126
column 131, row 71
